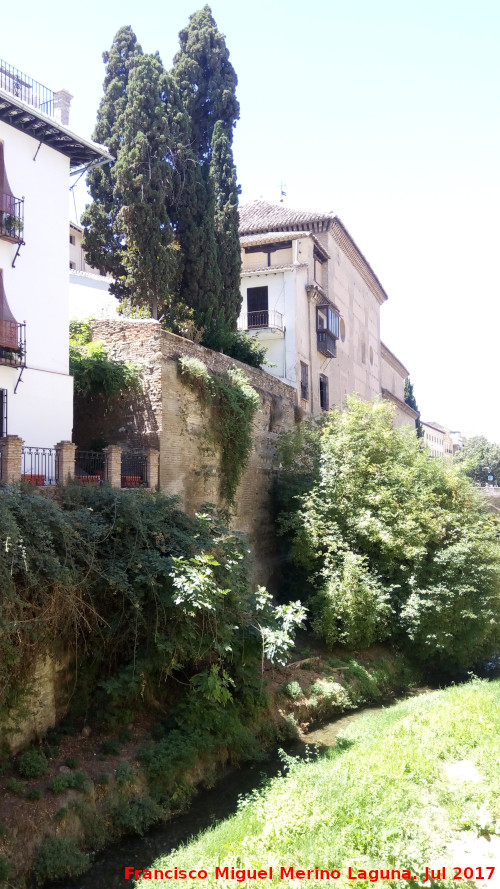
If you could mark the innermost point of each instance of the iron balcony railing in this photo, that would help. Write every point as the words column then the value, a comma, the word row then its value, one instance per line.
column 39, row 466
column 25, row 88
column 134, row 470
column 91, row 467
column 11, row 217
column 12, row 343
column 266, row 318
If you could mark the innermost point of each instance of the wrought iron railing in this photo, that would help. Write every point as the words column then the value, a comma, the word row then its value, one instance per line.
column 91, row 467
column 266, row 318
column 11, row 217
column 12, row 343
column 39, row 466
column 134, row 470
column 25, row 88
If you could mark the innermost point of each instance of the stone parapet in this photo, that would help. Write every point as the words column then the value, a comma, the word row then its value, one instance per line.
column 113, row 465
column 65, row 461
column 11, row 447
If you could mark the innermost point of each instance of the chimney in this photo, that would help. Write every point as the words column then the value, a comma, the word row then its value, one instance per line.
column 62, row 102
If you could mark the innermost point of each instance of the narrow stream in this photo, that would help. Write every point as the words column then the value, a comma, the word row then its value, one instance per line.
column 207, row 808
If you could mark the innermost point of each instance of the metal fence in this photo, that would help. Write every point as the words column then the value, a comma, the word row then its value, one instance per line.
column 134, row 470
column 39, row 466
column 12, row 343
column 11, row 216
column 25, row 88
column 265, row 318
column 91, row 467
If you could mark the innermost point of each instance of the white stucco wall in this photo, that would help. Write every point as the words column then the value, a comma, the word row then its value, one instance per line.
column 89, row 297
column 37, row 290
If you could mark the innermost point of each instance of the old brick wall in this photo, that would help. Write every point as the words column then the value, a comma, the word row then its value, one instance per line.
column 171, row 418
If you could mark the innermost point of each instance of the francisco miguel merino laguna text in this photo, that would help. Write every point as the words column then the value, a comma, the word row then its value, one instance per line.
column 240, row 875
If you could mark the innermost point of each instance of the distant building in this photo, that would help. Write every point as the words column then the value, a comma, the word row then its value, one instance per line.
column 439, row 440
column 37, row 153
column 89, row 295
column 310, row 296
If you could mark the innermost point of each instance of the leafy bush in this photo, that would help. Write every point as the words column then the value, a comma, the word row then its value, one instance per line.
column 15, row 786
column 110, row 748
column 4, row 869
column 34, row 794
column 136, row 815
column 75, row 781
column 399, row 546
column 32, row 763
column 59, row 859
column 94, row 373
column 292, row 690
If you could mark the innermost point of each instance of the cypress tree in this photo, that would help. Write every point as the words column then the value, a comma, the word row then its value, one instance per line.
column 100, row 239
column 207, row 220
column 411, row 402
column 145, row 176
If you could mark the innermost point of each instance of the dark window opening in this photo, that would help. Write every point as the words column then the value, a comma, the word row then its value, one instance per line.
column 304, row 381
column 72, row 239
column 323, row 392
column 258, row 307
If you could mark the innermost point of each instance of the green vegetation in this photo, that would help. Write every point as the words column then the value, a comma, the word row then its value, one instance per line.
column 164, row 217
column 96, row 375
column 32, row 763
column 59, row 859
column 396, row 546
column 144, row 593
column 232, row 403
column 384, row 797
column 293, row 690
column 75, row 781
column 412, row 402
column 479, row 459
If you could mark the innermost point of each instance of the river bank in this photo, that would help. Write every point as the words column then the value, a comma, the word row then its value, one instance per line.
column 97, row 787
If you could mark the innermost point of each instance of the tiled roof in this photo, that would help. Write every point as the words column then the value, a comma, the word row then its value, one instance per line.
column 259, row 216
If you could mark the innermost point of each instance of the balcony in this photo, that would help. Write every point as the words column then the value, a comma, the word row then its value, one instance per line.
column 26, row 89
column 263, row 320
column 12, row 343
column 327, row 343
column 11, row 218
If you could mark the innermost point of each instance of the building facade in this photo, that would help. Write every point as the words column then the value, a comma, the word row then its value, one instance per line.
column 37, row 153
column 310, row 296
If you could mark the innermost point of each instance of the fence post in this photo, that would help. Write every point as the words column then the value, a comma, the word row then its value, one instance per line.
column 152, row 464
column 113, row 465
column 12, row 455
column 65, row 461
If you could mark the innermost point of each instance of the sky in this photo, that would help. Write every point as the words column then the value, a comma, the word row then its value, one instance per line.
column 382, row 111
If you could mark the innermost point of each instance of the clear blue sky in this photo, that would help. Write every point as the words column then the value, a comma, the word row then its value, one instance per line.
column 384, row 111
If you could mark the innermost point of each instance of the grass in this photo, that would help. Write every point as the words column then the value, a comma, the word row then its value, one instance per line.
column 381, row 799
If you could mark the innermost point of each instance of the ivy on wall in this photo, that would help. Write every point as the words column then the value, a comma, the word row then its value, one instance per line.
column 232, row 403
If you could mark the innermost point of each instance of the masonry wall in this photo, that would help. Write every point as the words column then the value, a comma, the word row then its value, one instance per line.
column 170, row 418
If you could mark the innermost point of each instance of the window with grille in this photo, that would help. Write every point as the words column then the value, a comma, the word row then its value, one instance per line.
column 323, row 392
column 304, row 381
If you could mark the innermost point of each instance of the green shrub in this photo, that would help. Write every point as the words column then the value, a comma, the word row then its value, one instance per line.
column 15, row 786
column 136, row 815
column 59, row 859
column 32, row 763
column 4, row 869
column 399, row 546
column 292, row 690
column 72, row 762
column 110, row 748
column 75, row 781
column 34, row 794
column 124, row 774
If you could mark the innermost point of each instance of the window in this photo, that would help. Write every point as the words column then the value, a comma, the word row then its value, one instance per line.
column 257, row 307
column 72, row 239
column 327, row 330
column 323, row 392
column 304, row 381
column 3, row 413
column 72, row 265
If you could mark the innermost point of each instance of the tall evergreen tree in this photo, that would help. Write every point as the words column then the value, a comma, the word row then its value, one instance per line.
column 412, row 402
column 153, row 131
column 207, row 223
column 101, row 240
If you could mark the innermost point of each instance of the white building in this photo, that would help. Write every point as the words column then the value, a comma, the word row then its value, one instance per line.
column 310, row 296
column 37, row 153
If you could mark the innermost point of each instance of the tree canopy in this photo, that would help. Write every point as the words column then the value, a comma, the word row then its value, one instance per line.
column 398, row 546
column 412, row 402
column 164, row 219
column 480, row 459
